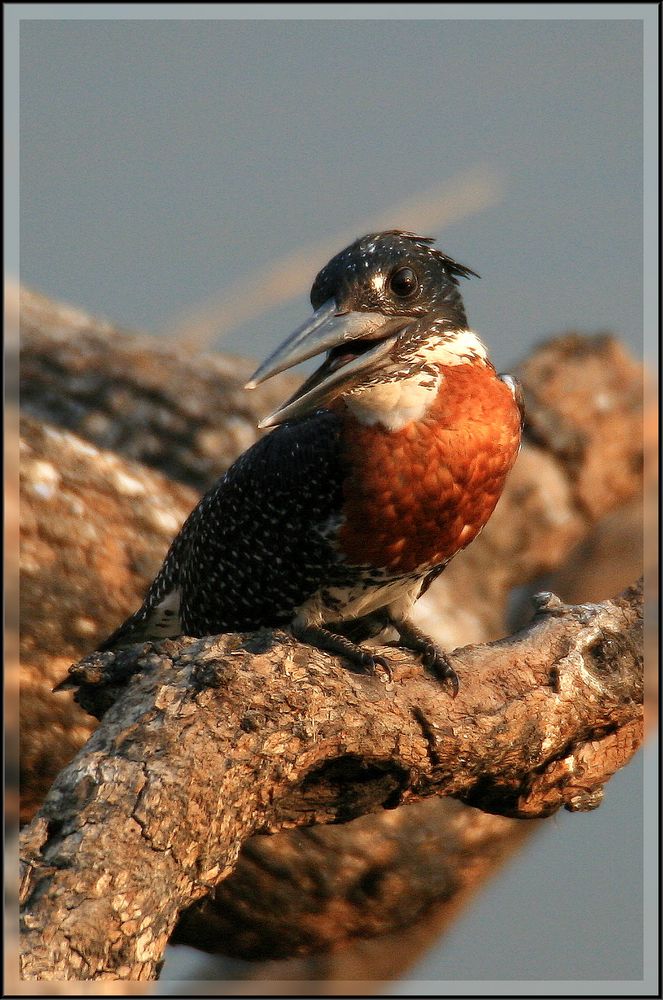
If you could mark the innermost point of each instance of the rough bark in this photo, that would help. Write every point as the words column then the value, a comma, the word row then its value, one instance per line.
column 214, row 740
column 304, row 893
column 94, row 528
column 191, row 418
column 324, row 890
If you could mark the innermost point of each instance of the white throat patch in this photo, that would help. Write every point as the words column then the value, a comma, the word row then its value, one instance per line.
column 397, row 401
column 458, row 348
column 394, row 403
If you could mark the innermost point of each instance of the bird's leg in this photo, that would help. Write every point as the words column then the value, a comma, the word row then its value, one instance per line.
column 330, row 642
column 411, row 637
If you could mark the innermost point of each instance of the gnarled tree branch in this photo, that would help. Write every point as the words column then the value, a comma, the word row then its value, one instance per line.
column 317, row 887
column 216, row 739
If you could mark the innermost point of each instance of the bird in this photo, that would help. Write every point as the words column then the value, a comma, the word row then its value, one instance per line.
column 387, row 461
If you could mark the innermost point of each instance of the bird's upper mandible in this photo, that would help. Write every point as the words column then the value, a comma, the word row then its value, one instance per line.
column 378, row 306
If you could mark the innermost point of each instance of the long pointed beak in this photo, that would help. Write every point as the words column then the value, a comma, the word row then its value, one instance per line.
column 326, row 383
column 328, row 328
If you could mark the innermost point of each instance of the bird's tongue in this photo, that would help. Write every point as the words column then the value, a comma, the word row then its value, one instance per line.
column 340, row 356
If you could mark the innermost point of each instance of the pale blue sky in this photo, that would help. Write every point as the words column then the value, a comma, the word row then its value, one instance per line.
column 165, row 161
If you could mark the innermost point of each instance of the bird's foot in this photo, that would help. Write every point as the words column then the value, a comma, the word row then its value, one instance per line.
column 438, row 661
column 330, row 642
column 432, row 657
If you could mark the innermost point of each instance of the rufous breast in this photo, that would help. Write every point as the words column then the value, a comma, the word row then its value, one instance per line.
column 415, row 496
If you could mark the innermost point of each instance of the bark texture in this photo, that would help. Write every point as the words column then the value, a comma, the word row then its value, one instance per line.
column 214, row 740
column 314, row 888
column 94, row 528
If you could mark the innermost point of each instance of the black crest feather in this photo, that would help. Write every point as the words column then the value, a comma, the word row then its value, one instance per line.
column 454, row 268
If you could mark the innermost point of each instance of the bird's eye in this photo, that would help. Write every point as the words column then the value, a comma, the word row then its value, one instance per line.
column 404, row 283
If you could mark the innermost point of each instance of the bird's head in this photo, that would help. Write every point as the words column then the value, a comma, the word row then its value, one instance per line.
column 375, row 305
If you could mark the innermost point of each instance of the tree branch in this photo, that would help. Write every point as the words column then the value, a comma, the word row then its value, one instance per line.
column 216, row 739
column 94, row 531
column 90, row 547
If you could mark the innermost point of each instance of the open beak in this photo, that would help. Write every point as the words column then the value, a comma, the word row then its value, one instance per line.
column 356, row 341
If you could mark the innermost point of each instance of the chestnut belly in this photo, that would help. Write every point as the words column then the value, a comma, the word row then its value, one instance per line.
column 416, row 496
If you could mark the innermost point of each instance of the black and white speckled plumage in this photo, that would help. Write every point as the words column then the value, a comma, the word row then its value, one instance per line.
column 348, row 277
column 259, row 544
column 253, row 549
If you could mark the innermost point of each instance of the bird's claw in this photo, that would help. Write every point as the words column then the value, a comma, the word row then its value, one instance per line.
column 371, row 661
column 437, row 661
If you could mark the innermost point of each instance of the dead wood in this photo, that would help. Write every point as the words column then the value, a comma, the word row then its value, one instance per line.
column 94, row 528
column 324, row 890
column 214, row 740
column 189, row 419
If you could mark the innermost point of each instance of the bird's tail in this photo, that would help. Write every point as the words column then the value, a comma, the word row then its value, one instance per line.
column 159, row 618
column 132, row 630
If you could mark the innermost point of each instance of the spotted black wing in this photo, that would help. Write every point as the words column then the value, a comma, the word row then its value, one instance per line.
column 257, row 545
